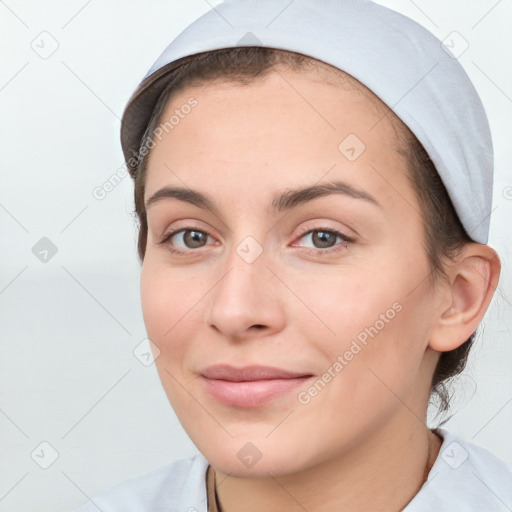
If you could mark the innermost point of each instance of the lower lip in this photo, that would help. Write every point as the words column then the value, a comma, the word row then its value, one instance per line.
column 250, row 394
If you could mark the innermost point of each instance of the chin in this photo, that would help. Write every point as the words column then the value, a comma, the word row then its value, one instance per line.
column 239, row 457
column 275, row 465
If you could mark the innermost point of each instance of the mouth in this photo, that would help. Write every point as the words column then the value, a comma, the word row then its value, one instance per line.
column 250, row 386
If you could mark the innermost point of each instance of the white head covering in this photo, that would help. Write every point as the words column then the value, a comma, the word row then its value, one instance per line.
column 405, row 65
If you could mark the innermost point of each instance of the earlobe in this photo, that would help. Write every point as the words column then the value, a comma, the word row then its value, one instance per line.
column 472, row 281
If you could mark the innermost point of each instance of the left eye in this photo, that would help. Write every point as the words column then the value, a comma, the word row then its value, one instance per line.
column 325, row 238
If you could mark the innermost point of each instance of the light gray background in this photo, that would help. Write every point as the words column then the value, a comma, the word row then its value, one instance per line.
column 68, row 375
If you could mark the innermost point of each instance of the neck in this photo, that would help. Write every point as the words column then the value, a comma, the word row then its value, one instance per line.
column 383, row 474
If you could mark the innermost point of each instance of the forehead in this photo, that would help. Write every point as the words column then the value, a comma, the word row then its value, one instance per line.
column 327, row 74
column 285, row 127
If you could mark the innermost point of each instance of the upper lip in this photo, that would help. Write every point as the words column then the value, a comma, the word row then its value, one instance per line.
column 249, row 373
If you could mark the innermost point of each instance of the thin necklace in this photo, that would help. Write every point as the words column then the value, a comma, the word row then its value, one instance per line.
column 213, row 501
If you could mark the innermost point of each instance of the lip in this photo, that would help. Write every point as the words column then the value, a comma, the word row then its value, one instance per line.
column 250, row 386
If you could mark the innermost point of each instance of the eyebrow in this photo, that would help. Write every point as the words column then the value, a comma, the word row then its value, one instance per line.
column 281, row 202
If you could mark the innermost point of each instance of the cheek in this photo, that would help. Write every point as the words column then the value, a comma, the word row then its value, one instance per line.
column 169, row 315
column 382, row 341
column 376, row 315
column 154, row 300
column 345, row 303
column 167, row 308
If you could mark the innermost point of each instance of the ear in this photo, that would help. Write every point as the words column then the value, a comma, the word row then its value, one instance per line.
column 465, row 296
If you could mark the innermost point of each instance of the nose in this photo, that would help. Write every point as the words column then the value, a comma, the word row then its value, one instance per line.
column 245, row 301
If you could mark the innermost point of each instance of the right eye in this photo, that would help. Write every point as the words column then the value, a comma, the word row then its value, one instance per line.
column 191, row 237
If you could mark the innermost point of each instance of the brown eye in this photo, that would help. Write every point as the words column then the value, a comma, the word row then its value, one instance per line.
column 323, row 239
column 186, row 239
column 194, row 239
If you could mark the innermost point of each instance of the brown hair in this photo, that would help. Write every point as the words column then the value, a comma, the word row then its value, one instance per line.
column 444, row 233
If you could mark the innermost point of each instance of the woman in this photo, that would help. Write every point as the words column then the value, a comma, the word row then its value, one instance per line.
column 313, row 238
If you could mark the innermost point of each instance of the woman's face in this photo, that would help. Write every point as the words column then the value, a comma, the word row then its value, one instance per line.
column 262, row 278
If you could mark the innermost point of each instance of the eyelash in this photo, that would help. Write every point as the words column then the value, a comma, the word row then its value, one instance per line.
column 305, row 231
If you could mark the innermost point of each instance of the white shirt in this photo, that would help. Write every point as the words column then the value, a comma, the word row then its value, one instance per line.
column 464, row 477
